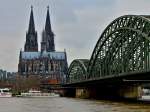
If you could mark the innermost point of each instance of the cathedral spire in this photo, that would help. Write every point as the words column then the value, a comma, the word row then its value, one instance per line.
column 48, row 23
column 48, row 36
column 31, row 28
column 31, row 44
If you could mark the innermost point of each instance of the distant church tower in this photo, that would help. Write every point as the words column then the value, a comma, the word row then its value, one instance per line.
column 50, row 65
column 47, row 42
column 31, row 44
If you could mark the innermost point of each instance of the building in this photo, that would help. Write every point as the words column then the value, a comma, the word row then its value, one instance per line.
column 7, row 76
column 47, row 62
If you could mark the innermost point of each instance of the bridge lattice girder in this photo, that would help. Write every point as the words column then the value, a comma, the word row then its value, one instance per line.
column 123, row 47
column 78, row 70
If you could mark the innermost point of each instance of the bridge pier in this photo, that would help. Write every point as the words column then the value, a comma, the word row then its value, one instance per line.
column 82, row 93
column 105, row 92
column 78, row 92
column 92, row 92
column 132, row 91
column 97, row 92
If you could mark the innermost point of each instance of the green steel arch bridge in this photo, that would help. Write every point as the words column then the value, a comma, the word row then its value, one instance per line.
column 121, row 54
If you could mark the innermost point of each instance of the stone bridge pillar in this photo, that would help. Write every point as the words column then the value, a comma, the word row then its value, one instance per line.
column 82, row 93
column 132, row 91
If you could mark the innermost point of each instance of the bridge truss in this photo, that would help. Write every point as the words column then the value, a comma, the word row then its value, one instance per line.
column 123, row 47
column 78, row 70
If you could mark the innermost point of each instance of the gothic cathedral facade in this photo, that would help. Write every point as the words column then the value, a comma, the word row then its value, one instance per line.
column 47, row 62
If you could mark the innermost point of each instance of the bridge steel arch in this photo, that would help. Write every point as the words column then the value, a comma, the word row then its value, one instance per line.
column 123, row 47
column 78, row 70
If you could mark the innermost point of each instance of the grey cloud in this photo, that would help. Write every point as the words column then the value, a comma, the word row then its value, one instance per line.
column 77, row 24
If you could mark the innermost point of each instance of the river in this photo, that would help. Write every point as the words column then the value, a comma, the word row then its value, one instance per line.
column 59, row 104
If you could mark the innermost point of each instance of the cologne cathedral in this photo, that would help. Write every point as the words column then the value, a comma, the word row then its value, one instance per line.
column 44, row 63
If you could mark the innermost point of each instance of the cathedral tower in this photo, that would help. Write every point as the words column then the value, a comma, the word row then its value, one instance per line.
column 31, row 44
column 47, row 42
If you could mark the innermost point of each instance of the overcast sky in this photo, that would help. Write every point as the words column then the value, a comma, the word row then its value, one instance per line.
column 77, row 24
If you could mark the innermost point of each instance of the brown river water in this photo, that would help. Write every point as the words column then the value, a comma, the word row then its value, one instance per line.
column 59, row 104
